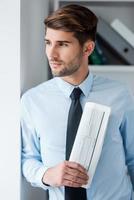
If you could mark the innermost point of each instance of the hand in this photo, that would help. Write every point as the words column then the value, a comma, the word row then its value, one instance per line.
column 66, row 173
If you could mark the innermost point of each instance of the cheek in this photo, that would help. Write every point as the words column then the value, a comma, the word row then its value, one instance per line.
column 67, row 54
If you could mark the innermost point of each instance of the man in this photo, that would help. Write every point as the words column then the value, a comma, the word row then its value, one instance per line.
column 70, row 39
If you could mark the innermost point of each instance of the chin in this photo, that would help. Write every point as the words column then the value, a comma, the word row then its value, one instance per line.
column 55, row 74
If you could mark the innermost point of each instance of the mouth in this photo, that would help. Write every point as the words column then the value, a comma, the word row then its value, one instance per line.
column 55, row 64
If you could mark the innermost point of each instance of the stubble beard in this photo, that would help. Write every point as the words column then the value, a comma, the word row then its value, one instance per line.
column 66, row 71
column 69, row 69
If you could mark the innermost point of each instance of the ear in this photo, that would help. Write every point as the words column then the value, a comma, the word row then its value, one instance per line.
column 88, row 47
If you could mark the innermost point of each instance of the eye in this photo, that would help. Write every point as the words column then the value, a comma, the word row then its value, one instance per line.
column 47, row 42
column 63, row 44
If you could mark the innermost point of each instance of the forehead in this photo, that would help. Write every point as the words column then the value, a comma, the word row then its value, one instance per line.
column 59, row 35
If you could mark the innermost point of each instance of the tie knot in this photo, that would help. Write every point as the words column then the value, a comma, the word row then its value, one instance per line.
column 76, row 93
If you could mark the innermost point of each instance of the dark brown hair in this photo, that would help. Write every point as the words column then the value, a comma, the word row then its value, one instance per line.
column 74, row 18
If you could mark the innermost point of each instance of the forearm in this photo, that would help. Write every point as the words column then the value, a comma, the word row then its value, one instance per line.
column 33, row 170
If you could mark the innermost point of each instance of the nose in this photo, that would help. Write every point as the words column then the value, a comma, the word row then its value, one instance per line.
column 52, row 52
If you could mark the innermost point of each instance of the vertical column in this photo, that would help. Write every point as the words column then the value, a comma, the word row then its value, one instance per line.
column 34, row 68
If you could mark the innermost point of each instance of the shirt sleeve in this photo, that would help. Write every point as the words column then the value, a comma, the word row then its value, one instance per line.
column 32, row 167
column 127, row 131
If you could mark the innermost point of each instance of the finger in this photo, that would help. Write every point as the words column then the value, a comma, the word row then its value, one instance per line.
column 71, row 184
column 76, row 166
column 75, row 179
column 76, row 173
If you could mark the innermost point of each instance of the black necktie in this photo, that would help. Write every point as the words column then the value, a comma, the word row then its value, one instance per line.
column 74, row 117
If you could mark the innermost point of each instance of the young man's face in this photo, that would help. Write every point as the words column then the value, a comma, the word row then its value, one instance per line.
column 64, row 53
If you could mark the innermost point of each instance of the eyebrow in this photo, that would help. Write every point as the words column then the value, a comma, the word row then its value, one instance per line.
column 64, row 41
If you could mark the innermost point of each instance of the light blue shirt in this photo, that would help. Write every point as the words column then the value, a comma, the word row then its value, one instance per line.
column 44, row 123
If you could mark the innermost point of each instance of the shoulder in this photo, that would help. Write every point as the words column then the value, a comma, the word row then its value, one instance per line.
column 113, row 90
column 41, row 89
column 104, row 83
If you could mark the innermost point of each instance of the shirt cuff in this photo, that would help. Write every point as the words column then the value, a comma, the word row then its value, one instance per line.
column 39, row 177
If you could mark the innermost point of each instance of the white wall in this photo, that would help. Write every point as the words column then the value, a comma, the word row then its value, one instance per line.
column 9, row 100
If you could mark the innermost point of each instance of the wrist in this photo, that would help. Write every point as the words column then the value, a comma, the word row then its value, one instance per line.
column 44, row 181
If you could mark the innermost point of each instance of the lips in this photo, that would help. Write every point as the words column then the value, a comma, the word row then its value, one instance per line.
column 55, row 64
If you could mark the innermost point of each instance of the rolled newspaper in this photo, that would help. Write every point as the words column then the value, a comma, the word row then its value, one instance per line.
column 90, row 137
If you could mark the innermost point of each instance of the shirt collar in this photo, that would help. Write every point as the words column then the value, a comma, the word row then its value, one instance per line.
column 67, row 88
